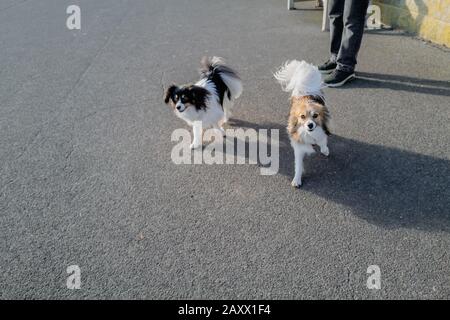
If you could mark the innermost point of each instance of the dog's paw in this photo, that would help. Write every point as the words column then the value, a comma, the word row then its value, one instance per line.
column 222, row 132
column 296, row 183
column 325, row 151
column 195, row 146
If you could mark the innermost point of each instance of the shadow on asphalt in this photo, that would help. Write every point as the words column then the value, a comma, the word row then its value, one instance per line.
column 385, row 186
column 394, row 82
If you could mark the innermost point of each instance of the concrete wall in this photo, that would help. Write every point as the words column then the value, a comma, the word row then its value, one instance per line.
column 429, row 19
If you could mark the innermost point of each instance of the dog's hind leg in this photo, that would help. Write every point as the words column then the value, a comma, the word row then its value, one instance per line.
column 227, row 106
column 219, row 128
column 226, row 116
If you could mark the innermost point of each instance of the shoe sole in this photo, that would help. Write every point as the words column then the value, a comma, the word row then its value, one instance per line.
column 334, row 85
column 326, row 71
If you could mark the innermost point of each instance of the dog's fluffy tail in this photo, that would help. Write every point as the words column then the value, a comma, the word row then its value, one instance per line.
column 212, row 66
column 300, row 78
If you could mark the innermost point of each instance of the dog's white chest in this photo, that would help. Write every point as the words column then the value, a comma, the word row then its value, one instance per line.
column 308, row 139
column 313, row 137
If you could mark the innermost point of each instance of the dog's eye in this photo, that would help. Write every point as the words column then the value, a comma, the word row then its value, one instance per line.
column 303, row 116
column 315, row 115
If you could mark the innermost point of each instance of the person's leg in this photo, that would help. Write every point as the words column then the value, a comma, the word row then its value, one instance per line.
column 336, row 14
column 353, row 20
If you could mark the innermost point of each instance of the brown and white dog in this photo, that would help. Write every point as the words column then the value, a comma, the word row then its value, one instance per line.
column 309, row 118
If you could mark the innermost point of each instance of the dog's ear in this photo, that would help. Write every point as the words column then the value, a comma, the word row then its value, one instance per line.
column 292, row 124
column 169, row 93
column 292, row 128
column 199, row 96
column 326, row 118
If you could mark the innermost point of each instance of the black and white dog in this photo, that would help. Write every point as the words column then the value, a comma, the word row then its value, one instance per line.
column 208, row 102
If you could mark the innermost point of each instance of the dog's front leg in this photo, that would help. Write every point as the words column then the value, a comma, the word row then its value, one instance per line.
column 197, row 131
column 299, row 155
column 324, row 147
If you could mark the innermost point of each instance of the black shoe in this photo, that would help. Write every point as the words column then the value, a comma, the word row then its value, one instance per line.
column 327, row 67
column 338, row 78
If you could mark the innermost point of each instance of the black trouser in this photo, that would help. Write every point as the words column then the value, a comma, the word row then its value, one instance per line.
column 347, row 19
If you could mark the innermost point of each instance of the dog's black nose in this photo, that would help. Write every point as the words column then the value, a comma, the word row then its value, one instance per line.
column 178, row 107
column 310, row 125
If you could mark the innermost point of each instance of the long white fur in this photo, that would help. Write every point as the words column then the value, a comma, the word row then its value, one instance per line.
column 300, row 78
column 234, row 84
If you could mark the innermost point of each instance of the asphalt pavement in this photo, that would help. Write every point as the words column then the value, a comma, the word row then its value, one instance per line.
column 87, row 177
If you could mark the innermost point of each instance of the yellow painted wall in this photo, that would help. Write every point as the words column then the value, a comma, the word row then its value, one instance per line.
column 429, row 19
